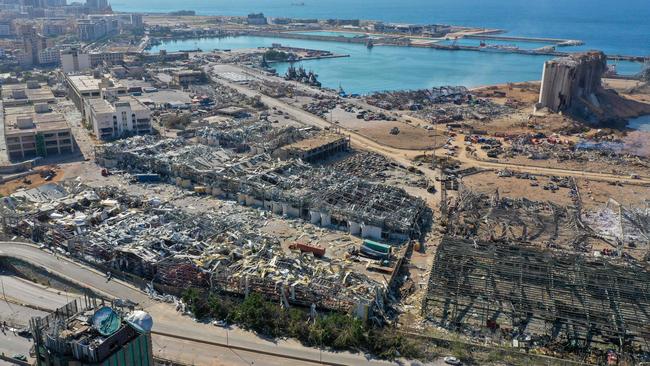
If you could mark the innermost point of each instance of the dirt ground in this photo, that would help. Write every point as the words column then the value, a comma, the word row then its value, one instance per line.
column 634, row 102
column 31, row 181
column 409, row 137
column 595, row 194
column 488, row 182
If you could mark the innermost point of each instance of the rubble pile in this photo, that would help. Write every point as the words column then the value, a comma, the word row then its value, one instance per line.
column 612, row 152
column 289, row 187
column 224, row 250
column 242, row 136
column 375, row 167
column 323, row 106
column 440, row 105
column 492, row 218
column 223, row 96
column 408, row 99
column 626, row 225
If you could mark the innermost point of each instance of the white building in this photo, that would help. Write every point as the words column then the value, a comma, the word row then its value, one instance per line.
column 81, row 87
column 119, row 117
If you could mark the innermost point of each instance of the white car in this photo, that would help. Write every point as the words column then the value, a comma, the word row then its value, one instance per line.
column 219, row 323
column 449, row 360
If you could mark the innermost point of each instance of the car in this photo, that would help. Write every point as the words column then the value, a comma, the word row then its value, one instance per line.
column 220, row 323
column 449, row 360
column 24, row 332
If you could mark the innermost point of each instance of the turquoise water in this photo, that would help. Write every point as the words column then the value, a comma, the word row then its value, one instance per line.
column 620, row 27
column 641, row 123
column 391, row 68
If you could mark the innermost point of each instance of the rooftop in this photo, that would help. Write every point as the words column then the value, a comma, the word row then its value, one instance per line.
column 90, row 83
column 104, row 106
column 21, row 94
column 42, row 122
column 314, row 142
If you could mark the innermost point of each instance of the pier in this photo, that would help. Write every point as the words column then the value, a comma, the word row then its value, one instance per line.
column 556, row 41
column 406, row 41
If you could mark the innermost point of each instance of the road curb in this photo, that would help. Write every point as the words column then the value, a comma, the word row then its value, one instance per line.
column 240, row 348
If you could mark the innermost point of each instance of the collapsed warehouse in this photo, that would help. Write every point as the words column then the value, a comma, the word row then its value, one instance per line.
column 537, row 297
column 542, row 275
column 222, row 250
column 290, row 187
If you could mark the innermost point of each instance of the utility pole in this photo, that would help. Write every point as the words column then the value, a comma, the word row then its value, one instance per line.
column 2, row 282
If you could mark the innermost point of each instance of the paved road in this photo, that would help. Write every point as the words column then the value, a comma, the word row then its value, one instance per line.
column 16, row 317
column 31, row 295
column 20, row 291
column 11, row 344
column 167, row 320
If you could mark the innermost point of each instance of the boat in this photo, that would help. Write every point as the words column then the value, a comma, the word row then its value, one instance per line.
column 370, row 44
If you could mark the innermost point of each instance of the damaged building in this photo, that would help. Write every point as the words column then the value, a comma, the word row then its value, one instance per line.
column 172, row 250
column 532, row 296
column 291, row 187
column 569, row 81
column 89, row 332
column 573, row 85
column 539, row 274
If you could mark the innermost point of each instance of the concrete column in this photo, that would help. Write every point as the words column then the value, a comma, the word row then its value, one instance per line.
column 325, row 219
column 355, row 228
column 315, row 217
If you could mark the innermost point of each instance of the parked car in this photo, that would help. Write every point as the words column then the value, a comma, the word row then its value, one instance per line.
column 449, row 360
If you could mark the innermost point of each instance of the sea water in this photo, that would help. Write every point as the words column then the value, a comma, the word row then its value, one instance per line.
column 620, row 27
column 392, row 67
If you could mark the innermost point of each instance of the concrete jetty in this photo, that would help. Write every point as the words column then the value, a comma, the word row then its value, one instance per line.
column 406, row 41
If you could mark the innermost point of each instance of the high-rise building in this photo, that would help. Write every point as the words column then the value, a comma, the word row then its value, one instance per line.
column 32, row 45
column 97, row 4
column 89, row 333
column 74, row 60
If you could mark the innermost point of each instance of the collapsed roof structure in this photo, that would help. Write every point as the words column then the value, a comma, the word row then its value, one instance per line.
column 290, row 187
column 173, row 249
column 541, row 273
column 530, row 292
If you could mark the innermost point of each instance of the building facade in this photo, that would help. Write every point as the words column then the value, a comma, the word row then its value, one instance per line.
column 31, row 129
column 74, row 60
column 118, row 117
